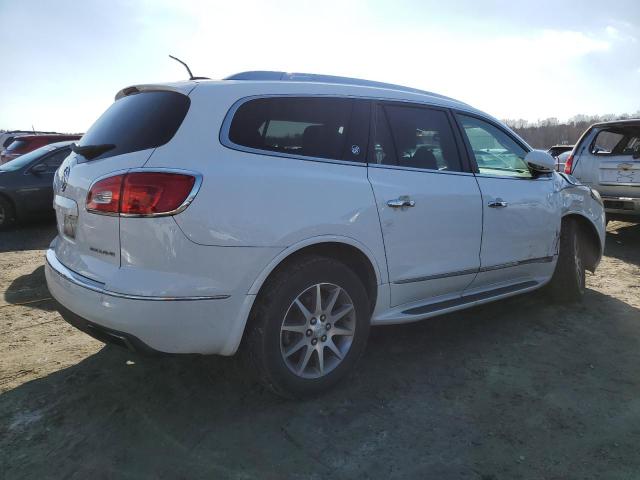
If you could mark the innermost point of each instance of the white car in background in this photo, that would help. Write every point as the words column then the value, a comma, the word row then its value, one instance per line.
column 607, row 158
column 289, row 212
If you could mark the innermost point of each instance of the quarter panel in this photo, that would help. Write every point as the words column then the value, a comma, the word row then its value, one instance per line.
column 256, row 200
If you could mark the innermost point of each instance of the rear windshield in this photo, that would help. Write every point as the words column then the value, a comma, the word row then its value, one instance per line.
column 26, row 159
column 617, row 141
column 16, row 145
column 138, row 122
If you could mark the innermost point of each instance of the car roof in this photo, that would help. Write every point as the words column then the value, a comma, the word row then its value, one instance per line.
column 259, row 83
column 630, row 122
column 55, row 145
column 319, row 78
column 301, row 83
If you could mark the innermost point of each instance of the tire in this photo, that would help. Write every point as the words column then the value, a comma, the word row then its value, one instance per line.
column 568, row 281
column 7, row 213
column 279, row 324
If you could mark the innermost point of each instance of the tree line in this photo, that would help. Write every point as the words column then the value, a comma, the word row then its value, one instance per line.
column 550, row 131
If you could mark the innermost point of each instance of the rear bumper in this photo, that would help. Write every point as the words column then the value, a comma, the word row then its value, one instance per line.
column 203, row 325
column 104, row 334
column 621, row 206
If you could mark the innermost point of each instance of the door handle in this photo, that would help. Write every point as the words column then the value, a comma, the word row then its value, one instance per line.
column 402, row 201
column 498, row 203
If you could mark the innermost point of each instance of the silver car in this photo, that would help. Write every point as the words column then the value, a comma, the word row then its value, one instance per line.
column 607, row 158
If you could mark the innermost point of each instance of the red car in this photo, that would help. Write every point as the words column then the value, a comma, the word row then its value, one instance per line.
column 27, row 143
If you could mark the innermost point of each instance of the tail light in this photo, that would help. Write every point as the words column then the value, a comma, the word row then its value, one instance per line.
column 143, row 194
column 568, row 164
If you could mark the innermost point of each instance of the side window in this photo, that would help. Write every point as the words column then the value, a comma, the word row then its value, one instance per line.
column 496, row 153
column 52, row 162
column 306, row 126
column 420, row 138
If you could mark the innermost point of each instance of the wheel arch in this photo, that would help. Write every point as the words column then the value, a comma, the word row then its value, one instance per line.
column 347, row 250
column 592, row 241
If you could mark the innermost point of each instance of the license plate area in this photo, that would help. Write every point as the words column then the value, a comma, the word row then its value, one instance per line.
column 620, row 176
column 69, row 225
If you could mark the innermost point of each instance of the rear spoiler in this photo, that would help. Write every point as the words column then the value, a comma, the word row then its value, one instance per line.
column 184, row 88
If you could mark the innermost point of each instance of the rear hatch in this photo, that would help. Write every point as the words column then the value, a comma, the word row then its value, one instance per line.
column 616, row 151
column 141, row 120
column 620, row 176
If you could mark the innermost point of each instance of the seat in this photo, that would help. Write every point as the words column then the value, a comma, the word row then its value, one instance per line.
column 314, row 140
column 423, row 158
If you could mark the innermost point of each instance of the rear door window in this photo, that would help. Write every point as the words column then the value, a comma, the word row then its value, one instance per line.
column 418, row 137
column 318, row 127
column 137, row 122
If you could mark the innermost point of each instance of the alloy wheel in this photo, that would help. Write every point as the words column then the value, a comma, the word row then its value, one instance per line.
column 317, row 331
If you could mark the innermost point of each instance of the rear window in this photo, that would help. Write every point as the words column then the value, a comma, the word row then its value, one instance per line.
column 26, row 159
column 16, row 145
column 305, row 126
column 619, row 141
column 138, row 122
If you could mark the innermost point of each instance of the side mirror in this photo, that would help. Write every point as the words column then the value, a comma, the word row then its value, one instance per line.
column 540, row 161
column 636, row 152
column 39, row 169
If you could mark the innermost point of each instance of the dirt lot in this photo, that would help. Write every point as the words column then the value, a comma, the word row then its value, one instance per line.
column 516, row 389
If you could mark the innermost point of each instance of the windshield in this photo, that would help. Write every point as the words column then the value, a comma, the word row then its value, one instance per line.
column 25, row 159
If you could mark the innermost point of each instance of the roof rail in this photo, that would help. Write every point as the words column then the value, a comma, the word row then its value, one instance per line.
column 313, row 77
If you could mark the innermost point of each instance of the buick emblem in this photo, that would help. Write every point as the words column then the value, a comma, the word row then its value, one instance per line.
column 65, row 178
column 355, row 149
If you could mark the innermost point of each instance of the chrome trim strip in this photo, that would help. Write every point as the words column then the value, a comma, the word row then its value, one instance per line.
column 621, row 184
column 192, row 194
column 98, row 287
column 437, row 276
column 418, row 170
column 474, row 270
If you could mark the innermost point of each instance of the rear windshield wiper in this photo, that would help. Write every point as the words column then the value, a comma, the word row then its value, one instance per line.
column 92, row 151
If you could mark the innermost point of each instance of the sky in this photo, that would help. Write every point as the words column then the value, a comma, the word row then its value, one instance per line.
column 64, row 60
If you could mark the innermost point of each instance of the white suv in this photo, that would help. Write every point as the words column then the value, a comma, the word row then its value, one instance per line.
column 288, row 213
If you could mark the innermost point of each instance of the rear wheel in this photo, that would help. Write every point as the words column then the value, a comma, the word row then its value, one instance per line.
column 7, row 214
column 569, row 279
column 309, row 327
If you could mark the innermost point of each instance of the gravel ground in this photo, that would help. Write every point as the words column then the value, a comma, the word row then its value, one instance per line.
column 515, row 389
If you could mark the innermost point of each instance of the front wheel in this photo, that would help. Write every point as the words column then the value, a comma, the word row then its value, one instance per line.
column 568, row 281
column 309, row 327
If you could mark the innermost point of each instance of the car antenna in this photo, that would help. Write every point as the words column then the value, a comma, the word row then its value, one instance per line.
column 191, row 77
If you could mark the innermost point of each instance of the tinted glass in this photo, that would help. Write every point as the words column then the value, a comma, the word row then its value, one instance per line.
column 53, row 161
column 496, row 153
column 16, row 145
column 138, row 122
column 26, row 159
column 422, row 138
column 312, row 127
column 606, row 141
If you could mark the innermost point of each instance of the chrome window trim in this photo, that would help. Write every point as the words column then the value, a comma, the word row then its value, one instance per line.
column 224, row 139
column 472, row 271
column 506, row 177
column 192, row 194
column 419, row 170
column 99, row 287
